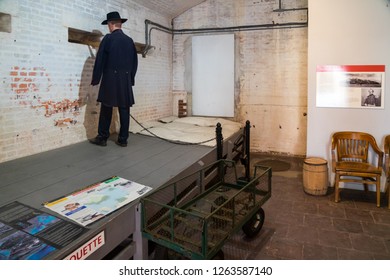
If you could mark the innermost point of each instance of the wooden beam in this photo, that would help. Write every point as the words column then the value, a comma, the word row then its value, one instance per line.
column 93, row 39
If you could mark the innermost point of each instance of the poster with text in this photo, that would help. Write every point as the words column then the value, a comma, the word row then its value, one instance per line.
column 94, row 202
column 351, row 86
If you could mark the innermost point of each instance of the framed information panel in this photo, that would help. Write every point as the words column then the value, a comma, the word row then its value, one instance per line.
column 350, row 86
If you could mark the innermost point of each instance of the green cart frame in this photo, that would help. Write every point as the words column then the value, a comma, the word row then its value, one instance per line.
column 195, row 215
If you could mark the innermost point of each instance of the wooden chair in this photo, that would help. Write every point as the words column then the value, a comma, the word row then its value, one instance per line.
column 387, row 167
column 356, row 158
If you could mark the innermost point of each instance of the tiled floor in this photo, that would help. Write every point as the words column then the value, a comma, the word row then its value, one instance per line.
column 299, row 226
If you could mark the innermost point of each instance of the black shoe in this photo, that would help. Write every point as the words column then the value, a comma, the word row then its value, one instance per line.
column 98, row 141
column 120, row 144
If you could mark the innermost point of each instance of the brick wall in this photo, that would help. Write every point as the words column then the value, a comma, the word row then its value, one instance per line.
column 46, row 101
column 271, row 68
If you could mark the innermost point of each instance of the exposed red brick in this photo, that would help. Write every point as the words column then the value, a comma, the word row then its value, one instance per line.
column 18, row 91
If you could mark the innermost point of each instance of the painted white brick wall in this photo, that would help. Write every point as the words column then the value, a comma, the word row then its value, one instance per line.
column 46, row 101
column 271, row 68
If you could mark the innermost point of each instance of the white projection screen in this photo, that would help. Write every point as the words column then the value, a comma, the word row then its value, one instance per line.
column 213, row 75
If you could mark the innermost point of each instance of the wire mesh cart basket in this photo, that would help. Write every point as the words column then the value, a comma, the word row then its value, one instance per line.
column 195, row 215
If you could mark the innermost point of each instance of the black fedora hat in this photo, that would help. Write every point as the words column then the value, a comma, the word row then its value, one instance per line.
column 113, row 16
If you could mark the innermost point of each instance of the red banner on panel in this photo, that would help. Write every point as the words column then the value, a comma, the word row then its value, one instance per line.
column 351, row 68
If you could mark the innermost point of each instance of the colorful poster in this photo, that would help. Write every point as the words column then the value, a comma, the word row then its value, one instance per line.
column 98, row 200
column 29, row 234
column 18, row 245
column 351, row 86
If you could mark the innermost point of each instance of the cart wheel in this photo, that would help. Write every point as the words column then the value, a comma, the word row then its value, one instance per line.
column 160, row 252
column 151, row 247
column 255, row 223
column 220, row 255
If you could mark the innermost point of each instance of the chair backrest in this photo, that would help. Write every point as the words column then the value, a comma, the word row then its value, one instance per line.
column 353, row 146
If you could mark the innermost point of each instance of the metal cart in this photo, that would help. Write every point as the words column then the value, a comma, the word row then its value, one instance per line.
column 195, row 215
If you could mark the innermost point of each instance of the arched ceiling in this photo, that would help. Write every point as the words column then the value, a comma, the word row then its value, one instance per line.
column 170, row 8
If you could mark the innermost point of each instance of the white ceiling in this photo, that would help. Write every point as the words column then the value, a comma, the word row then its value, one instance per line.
column 170, row 8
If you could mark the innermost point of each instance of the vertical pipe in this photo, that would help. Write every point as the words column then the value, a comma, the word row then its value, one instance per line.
column 219, row 137
column 247, row 150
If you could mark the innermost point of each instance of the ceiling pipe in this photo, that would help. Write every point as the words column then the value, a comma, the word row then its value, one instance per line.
column 159, row 27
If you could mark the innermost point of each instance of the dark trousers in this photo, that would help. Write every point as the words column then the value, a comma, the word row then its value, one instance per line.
column 105, row 121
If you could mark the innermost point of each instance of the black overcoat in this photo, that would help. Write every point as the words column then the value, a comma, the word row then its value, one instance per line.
column 116, row 65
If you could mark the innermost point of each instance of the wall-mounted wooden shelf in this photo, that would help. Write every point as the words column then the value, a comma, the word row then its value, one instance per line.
column 93, row 39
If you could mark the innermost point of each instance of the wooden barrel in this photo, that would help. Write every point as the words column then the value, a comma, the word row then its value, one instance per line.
column 315, row 176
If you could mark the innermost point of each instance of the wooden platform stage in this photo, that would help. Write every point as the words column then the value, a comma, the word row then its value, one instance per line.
column 43, row 177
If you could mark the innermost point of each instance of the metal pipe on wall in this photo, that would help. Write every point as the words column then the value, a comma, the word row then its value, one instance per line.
column 159, row 27
column 280, row 9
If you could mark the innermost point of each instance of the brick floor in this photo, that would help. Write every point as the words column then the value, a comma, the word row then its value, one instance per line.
column 301, row 226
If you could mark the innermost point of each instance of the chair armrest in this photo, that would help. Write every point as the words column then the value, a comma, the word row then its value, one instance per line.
column 387, row 156
column 378, row 152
